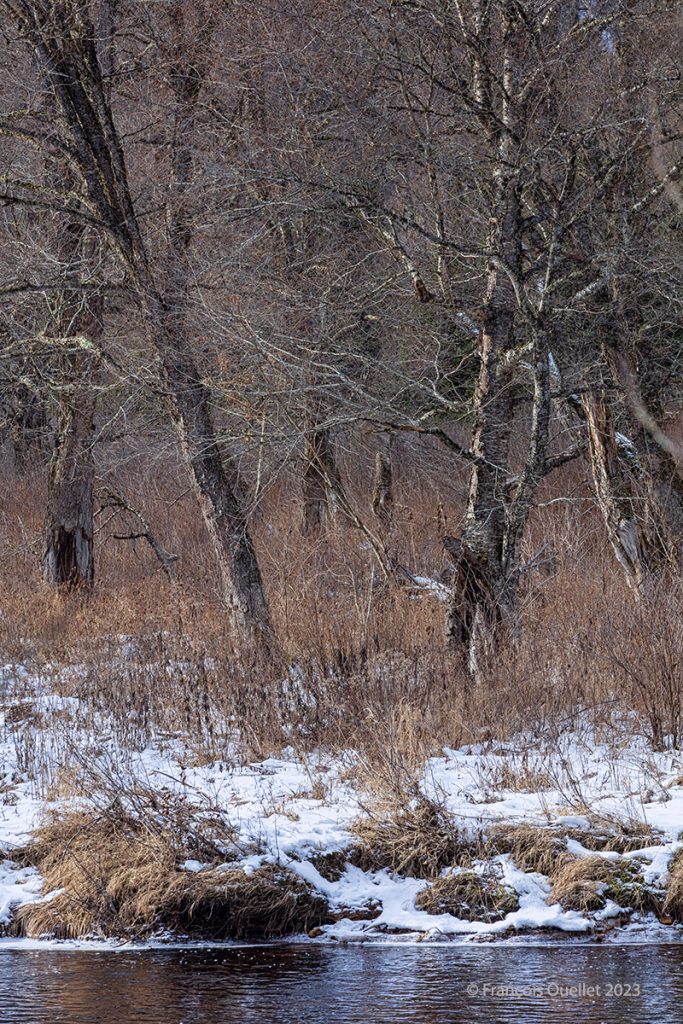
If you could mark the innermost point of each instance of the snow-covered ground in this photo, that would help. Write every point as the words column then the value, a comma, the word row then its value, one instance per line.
column 291, row 809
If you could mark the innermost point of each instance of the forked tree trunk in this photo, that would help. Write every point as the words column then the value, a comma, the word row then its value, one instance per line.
column 655, row 473
column 640, row 509
column 634, row 515
column 642, row 518
column 612, row 489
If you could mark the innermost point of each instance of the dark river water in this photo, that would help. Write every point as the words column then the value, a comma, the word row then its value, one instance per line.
column 308, row 984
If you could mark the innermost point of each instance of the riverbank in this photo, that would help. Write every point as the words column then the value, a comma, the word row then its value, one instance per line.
column 572, row 833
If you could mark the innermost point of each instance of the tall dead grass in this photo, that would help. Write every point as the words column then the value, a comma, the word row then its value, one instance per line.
column 111, row 875
column 369, row 666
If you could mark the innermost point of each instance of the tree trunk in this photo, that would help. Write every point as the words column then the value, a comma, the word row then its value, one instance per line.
column 322, row 490
column 635, row 515
column 383, row 492
column 68, row 559
column 612, row 488
column 217, row 488
column 641, row 511
column 214, row 474
column 484, row 590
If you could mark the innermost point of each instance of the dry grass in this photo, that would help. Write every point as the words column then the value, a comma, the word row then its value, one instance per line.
column 469, row 896
column 372, row 674
column 267, row 903
column 615, row 835
column 532, row 847
column 113, row 877
column 629, row 889
column 582, row 884
column 673, row 903
column 372, row 667
column 331, row 865
column 585, row 884
column 544, row 848
column 419, row 840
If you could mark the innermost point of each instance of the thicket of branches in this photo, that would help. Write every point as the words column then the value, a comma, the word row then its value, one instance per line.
column 346, row 307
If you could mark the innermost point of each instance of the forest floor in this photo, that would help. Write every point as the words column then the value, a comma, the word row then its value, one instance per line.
column 572, row 833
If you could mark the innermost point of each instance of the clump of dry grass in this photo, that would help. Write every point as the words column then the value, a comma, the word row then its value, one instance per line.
column 112, row 876
column 585, row 884
column 419, row 840
column 629, row 889
column 543, row 848
column 468, row 896
column 611, row 836
column 532, row 847
column 231, row 904
column 673, row 902
column 582, row 884
column 107, row 871
column 331, row 865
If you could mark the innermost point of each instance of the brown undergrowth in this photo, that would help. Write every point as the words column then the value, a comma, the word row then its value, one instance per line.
column 122, row 873
column 368, row 673
column 108, row 875
column 369, row 667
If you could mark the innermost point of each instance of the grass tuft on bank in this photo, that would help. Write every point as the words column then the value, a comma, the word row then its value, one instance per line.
column 107, row 875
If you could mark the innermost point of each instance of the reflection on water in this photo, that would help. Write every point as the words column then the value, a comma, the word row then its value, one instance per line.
column 309, row 984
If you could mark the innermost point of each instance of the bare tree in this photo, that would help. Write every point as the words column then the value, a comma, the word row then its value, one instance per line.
column 63, row 37
column 78, row 324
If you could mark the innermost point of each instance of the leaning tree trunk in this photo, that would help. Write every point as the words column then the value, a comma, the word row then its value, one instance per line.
column 612, row 488
column 641, row 513
column 214, row 474
column 68, row 52
column 217, row 489
column 634, row 515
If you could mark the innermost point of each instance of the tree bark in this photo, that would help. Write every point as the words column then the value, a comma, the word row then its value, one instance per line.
column 383, row 492
column 68, row 559
column 484, row 590
column 612, row 489
column 217, row 488
column 215, row 478
column 633, row 483
column 322, row 490
column 641, row 533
